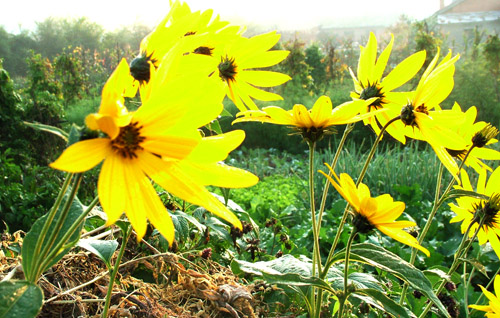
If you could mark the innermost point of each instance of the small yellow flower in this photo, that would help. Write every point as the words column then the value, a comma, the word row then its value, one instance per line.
column 380, row 212
column 314, row 123
column 150, row 146
column 473, row 134
column 236, row 66
column 369, row 84
column 493, row 308
column 470, row 210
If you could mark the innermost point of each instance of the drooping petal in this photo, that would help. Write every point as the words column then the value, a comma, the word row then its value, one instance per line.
column 83, row 155
column 111, row 187
column 403, row 237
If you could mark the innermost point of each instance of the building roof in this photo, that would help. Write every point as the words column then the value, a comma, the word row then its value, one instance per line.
column 468, row 17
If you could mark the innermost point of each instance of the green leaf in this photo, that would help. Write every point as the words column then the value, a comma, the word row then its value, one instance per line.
column 476, row 264
column 181, row 227
column 74, row 135
column 292, row 279
column 381, row 301
column 283, row 265
column 51, row 129
column 225, row 113
column 385, row 260
column 33, row 236
column 20, row 299
column 455, row 193
column 201, row 228
column 104, row 249
column 215, row 127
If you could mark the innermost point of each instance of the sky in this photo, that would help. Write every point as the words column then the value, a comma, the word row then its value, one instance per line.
column 280, row 14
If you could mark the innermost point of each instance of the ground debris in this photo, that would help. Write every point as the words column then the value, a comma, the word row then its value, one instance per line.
column 205, row 289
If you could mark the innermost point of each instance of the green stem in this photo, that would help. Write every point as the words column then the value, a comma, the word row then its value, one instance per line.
column 316, row 257
column 360, row 178
column 348, row 129
column 346, row 272
column 435, row 207
column 126, row 235
column 66, row 237
column 48, row 222
column 461, row 252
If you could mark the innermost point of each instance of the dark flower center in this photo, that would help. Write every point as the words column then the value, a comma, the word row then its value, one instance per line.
column 128, row 141
column 408, row 114
column 190, row 33
column 361, row 223
column 489, row 210
column 372, row 91
column 205, row 50
column 457, row 153
column 227, row 69
column 482, row 137
column 139, row 67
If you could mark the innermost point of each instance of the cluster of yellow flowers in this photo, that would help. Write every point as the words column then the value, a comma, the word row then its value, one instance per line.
column 417, row 115
column 185, row 68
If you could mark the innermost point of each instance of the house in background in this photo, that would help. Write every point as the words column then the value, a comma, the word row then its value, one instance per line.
column 459, row 18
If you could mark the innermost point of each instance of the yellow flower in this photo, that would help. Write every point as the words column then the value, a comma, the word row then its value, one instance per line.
column 236, row 65
column 435, row 126
column 181, row 28
column 470, row 210
column 468, row 130
column 314, row 123
column 369, row 84
column 162, row 132
column 493, row 308
column 380, row 212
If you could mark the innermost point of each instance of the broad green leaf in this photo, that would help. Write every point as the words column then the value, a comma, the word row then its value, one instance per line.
column 283, row 265
column 381, row 301
column 33, row 236
column 297, row 280
column 51, row 129
column 385, row 260
column 104, row 249
column 20, row 299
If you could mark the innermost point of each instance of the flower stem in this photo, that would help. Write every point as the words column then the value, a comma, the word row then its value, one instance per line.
column 462, row 250
column 346, row 272
column 316, row 257
column 360, row 178
column 125, row 236
column 348, row 129
column 435, row 207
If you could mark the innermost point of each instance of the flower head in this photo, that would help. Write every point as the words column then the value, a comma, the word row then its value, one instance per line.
column 311, row 124
column 236, row 65
column 151, row 146
column 369, row 83
column 493, row 308
column 470, row 211
column 477, row 135
column 369, row 213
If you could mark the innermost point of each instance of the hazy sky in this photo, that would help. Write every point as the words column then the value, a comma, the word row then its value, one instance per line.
column 283, row 14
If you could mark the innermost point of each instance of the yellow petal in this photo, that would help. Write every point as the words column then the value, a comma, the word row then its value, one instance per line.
column 216, row 148
column 83, row 155
column 264, row 78
column 404, row 71
column 170, row 146
column 302, row 116
column 403, row 237
column 111, row 187
column 175, row 180
column 321, row 111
